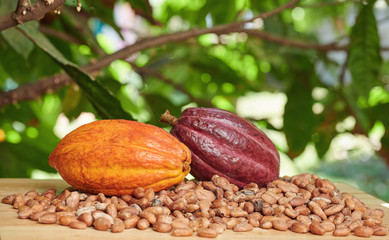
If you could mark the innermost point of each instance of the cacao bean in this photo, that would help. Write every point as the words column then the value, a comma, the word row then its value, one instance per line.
column 86, row 218
column 180, row 222
column 317, row 228
column 303, row 210
column 149, row 216
column 280, row 225
column 48, row 218
column 316, row 209
column 35, row 216
column 8, row 199
column 73, row 200
column 131, row 221
column 164, row 218
column 117, row 226
column 18, row 200
column 297, row 201
column 380, row 230
column 334, row 209
column 341, row 232
column 66, row 220
column 299, row 227
column 102, row 223
column 243, row 227
column 143, row 224
column 162, row 227
column 219, row 227
column 25, row 213
column 328, row 225
column 363, row 231
column 207, row 232
column 78, row 225
column 265, row 224
column 182, row 232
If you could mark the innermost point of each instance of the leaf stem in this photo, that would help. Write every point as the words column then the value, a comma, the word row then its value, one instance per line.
column 169, row 119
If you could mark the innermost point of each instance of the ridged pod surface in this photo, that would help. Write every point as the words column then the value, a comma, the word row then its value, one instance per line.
column 116, row 156
column 225, row 144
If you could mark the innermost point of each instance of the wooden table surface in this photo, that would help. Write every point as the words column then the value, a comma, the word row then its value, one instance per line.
column 13, row 228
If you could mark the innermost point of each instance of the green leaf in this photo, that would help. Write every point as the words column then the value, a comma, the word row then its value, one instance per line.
column 11, row 166
column 73, row 111
column 32, row 152
column 34, row 68
column 323, row 142
column 220, row 11
column 324, row 134
column 3, row 76
column 364, row 59
column 385, row 139
column 360, row 113
column 380, row 113
column 29, row 153
column 21, row 112
column 140, row 5
column 299, row 120
column 71, row 99
column 7, row 6
column 18, row 41
column 47, row 110
column 106, row 104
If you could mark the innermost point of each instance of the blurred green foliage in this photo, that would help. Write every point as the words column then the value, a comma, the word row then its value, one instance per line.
column 333, row 47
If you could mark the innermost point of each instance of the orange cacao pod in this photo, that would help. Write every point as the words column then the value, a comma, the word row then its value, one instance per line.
column 116, row 156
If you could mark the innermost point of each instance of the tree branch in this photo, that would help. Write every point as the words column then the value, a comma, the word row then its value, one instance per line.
column 34, row 90
column 26, row 12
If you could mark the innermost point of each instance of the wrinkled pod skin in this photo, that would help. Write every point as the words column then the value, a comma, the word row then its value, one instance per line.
column 116, row 156
column 225, row 144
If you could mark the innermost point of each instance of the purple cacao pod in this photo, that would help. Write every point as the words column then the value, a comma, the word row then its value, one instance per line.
column 227, row 145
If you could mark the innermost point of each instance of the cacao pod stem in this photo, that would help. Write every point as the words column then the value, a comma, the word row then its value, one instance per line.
column 186, row 167
column 169, row 119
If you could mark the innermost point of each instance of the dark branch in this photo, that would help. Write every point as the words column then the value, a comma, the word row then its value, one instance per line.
column 26, row 12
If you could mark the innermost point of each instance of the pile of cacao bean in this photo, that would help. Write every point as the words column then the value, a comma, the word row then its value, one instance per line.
column 302, row 203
